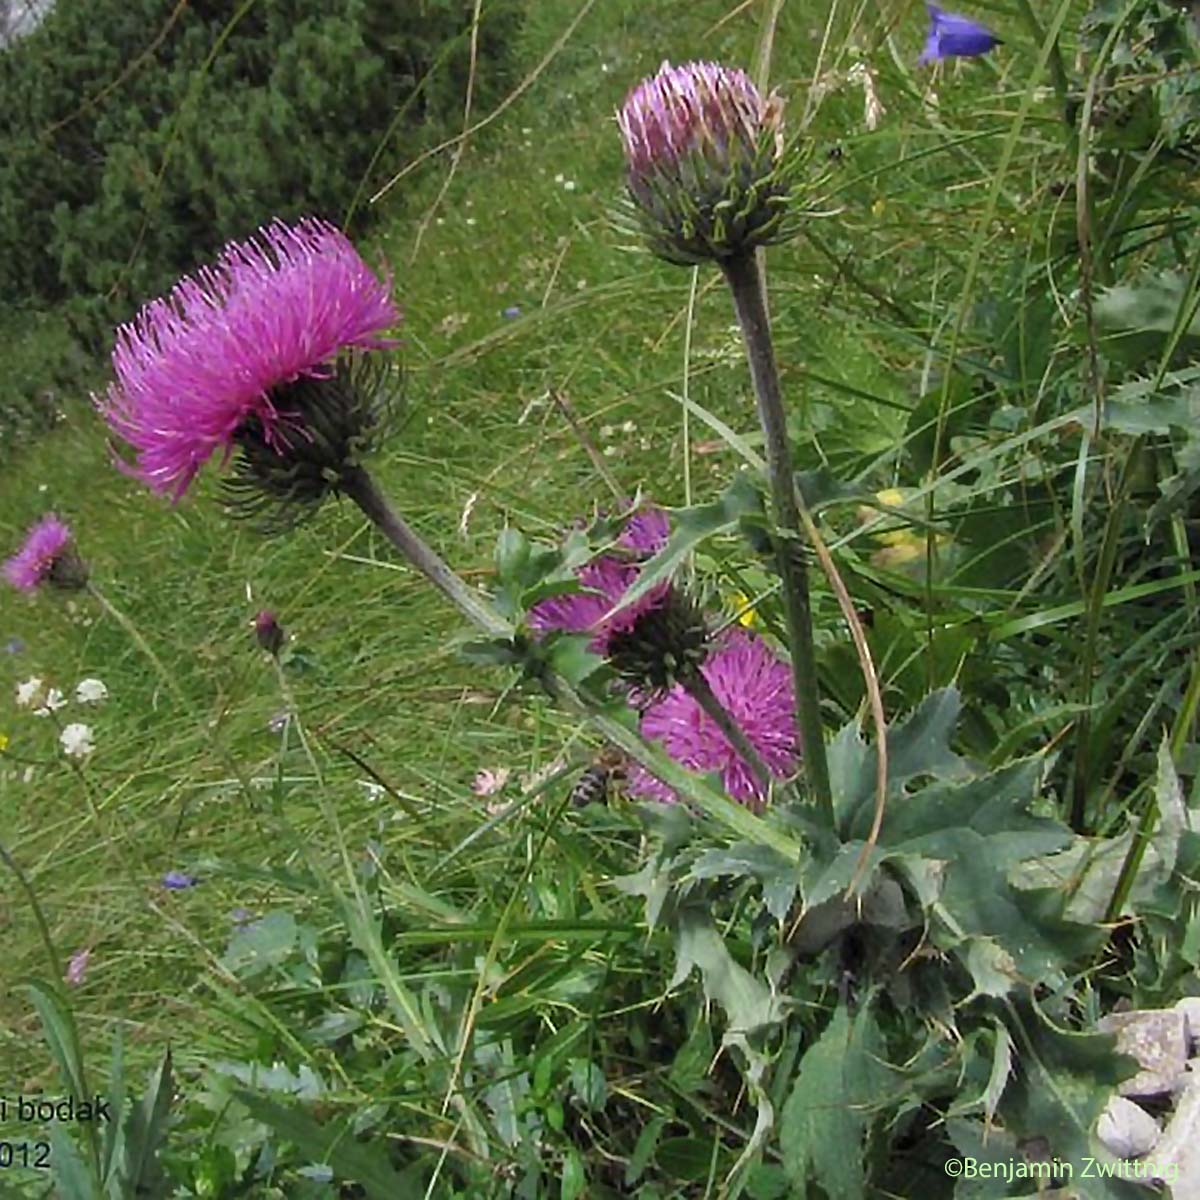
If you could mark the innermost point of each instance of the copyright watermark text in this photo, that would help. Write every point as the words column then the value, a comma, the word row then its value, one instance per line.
column 1059, row 1169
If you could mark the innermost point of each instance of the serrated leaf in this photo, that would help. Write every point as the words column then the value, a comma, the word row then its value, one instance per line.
column 1002, row 1066
column 748, row 1003
column 917, row 746
column 779, row 878
column 1155, row 304
column 840, row 1082
column 261, row 944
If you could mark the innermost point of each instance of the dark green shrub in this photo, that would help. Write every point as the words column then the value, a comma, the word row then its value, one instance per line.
column 137, row 141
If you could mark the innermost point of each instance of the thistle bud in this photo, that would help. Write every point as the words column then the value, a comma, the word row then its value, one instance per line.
column 269, row 632
column 708, row 174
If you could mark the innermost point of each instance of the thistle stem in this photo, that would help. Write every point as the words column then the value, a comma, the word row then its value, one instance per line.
column 701, row 691
column 360, row 487
column 742, row 275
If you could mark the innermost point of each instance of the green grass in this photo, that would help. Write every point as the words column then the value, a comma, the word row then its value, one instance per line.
column 510, row 926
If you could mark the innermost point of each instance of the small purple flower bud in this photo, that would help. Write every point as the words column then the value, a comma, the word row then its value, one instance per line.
column 14, row 645
column 512, row 312
column 178, row 881
column 954, row 36
column 708, row 175
column 269, row 632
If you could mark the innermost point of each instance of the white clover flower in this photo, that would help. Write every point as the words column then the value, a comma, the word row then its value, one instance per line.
column 76, row 740
column 91, row 691
column 29, row 691
column 54, row 700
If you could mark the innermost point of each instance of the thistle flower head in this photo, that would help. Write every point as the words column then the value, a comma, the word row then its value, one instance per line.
column 755, row 688
column 47, row 556
column 238, row 356
column 650, row 642
column 603, row 583
column 954, row 36
column 707, row 176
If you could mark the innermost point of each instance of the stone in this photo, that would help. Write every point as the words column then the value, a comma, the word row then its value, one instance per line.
column 1190, row 1007
column 1127, row 1130
column 1176, row 1157
column 1157, row 1039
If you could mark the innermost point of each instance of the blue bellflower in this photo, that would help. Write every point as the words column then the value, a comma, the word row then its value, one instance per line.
column 954, row 36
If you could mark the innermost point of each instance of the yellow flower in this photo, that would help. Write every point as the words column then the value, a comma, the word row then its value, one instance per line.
column 3, row 742
column 747, row 615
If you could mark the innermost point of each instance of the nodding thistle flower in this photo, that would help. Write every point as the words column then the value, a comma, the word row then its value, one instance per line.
column 708, row 175
column 652, row 642
column 48, row 556
column 248, row 355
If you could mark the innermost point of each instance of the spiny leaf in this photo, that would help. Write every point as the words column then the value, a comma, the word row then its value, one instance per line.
column 822, row 1126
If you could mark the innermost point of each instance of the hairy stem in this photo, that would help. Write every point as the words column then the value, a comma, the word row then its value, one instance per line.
column 360, row 487
column 741, row 273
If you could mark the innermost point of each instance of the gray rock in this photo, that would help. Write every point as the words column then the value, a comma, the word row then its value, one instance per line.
column 1190, row 1007
column 1158, row 1040
column 1176, row 1157
column 1127, row 1130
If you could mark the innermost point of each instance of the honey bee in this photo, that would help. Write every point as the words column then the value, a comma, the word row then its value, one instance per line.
column 608, row 767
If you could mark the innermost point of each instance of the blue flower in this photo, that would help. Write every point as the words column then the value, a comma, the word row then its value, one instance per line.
column 952, row 35
column 176, row 881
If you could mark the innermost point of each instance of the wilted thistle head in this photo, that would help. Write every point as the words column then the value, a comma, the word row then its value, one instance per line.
column 708, row 175
column 47, row 556
column 244, row 355
column 651, row 642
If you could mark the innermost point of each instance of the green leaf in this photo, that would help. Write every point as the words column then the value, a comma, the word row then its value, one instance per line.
column 643, row 1149
column 748, row 1003
column 261, row 944
column 366, row 1164
column 588, row 1084
column 918, row 746
column 145, row 1133
column 574, row 1177
column 778, row 877
column 1155, row 304
column 693, row 1059
column 73, row 1180
column 840, row 1082
column 58, row 1028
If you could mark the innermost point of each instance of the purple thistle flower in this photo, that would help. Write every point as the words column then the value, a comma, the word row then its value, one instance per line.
column 47, row 545
column 194, row 368
column 707, row 172
column 952, row 35
column 178, row 881
column 698, row 107
column 605, row 581
column 756, row 689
